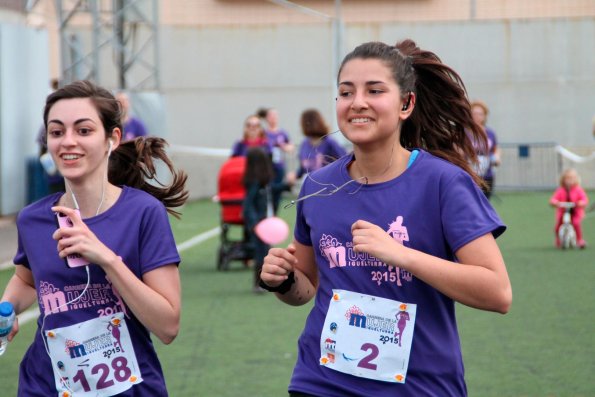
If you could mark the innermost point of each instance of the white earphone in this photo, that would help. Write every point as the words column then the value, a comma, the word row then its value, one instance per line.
column 111, row 145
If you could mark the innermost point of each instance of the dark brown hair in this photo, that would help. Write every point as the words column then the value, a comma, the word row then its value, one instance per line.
column 259, row 167
column 313, row 124
column 441, row 121
column 132, row 162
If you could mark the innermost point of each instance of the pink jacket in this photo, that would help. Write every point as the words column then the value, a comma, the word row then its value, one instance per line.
column 576, row 194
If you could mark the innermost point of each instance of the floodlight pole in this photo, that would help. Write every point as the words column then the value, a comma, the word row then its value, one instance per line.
column 126, row 31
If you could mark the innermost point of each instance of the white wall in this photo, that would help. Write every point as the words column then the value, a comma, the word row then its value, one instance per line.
column 24, row 84
column 536, row 76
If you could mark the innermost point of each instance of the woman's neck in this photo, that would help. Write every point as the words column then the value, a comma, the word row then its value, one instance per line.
column 90, row 200
column 380, row 165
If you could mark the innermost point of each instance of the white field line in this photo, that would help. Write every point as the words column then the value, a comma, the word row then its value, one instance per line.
column 33, row 313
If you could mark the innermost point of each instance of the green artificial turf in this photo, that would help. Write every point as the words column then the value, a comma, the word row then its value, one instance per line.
column 233, row 342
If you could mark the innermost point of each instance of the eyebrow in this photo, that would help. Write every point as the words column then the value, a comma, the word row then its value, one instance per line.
column 75, row 123
column 372, row 82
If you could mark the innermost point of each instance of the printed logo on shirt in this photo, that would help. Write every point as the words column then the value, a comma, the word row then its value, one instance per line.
column 56, row 300
column 356, row 318
column 341, row 254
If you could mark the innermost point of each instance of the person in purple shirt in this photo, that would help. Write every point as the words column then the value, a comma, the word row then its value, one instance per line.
column 488, row 157
column 398, row 226
column 253, row 136
column 318, row 148
column 107, row 277
column 280, row 144
column 133, row 126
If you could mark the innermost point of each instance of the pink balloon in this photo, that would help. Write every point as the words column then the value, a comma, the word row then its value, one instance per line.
column 272, row 230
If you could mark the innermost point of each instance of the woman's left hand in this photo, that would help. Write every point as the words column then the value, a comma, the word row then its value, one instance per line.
column 80, row 239
column 371, row 239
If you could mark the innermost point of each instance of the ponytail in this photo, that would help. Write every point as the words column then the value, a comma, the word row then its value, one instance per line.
column 132, row 164
column 441, row 122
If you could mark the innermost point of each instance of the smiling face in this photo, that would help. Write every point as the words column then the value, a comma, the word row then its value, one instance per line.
column 77, row 140
column 252, row 128
column 369, row 103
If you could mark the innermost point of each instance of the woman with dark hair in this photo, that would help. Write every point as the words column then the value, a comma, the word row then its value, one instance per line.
column 258, row 181
column 399, row 226
column 318, row 148
column 112, row 262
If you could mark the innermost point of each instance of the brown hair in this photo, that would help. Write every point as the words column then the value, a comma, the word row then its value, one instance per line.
column 131, row 163
column 259, row 167
column 441, row 121
column 313, row 124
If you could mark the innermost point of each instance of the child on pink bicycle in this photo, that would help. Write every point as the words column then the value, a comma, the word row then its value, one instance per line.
column 570, row 191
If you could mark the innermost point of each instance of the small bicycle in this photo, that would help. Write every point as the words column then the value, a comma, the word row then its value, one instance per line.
column 566, row 232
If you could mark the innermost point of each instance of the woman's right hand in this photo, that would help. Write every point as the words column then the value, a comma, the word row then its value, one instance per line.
column 277, row 265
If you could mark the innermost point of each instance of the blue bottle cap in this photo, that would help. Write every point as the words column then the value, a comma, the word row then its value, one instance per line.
column 6, row 309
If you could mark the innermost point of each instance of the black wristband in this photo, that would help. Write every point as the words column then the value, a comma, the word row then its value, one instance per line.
column 281, row 288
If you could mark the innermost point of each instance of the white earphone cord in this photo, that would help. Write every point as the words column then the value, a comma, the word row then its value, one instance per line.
column 76, row 206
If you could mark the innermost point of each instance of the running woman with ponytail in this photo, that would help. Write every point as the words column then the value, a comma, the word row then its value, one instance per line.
column 93, row 335
column 387, row 239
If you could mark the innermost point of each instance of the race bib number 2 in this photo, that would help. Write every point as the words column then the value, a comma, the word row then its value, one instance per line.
column 368, row 336
column 93, row 358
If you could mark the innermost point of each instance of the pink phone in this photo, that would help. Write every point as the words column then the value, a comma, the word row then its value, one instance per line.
column 72, row 260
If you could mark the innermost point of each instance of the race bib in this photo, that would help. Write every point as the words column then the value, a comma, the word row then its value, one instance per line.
column 368, row 336
column 93, row 358
column 277, row 155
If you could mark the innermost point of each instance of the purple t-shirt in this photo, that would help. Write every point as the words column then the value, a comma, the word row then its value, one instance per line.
column 276, row 139
column 314, row 157
column 434, row 207
column 485, row 168
column 136, row 228
column 240, row 148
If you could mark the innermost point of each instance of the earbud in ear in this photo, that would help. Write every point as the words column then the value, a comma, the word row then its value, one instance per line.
column 111, row 145
column 406, row 106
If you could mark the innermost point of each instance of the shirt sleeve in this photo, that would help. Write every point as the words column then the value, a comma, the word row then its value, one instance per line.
column 466, row 212
column 157, row 243
column 20, row 257
column 302, row 230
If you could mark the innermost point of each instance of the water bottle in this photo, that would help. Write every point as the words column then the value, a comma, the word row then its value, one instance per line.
column 6, row 320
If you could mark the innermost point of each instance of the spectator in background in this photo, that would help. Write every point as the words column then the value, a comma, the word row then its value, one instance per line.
column 318, row 148
column 258, row 178
column 280, row 144
column 487, row 157
column 570, row 191
column 133, row 126
column 254, row 136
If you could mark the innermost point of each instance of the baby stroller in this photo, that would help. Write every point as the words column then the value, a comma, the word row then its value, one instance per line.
column 230, row 194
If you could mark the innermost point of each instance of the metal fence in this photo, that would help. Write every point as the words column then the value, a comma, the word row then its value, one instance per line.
column 528, row 166
column 537, row 166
